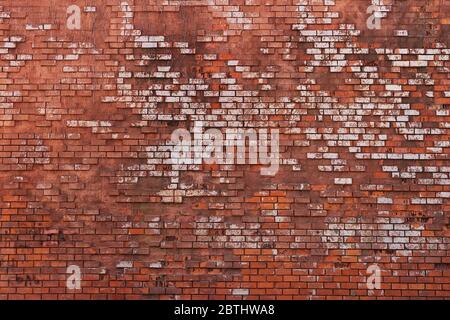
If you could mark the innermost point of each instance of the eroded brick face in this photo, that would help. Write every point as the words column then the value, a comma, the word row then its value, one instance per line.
column 88, row 108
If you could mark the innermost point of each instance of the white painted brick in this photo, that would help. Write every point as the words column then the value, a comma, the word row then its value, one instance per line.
column 342, row 181
column 240, row 292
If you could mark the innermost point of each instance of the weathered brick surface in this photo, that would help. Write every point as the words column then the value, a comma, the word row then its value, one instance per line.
column 85, row 177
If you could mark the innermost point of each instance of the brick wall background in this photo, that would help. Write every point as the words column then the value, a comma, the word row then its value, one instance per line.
column 86, row 181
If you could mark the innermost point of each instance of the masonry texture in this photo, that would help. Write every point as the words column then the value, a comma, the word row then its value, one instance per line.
column 86, row 178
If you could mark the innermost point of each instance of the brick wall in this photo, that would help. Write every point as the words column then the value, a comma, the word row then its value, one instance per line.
column 92, row 205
